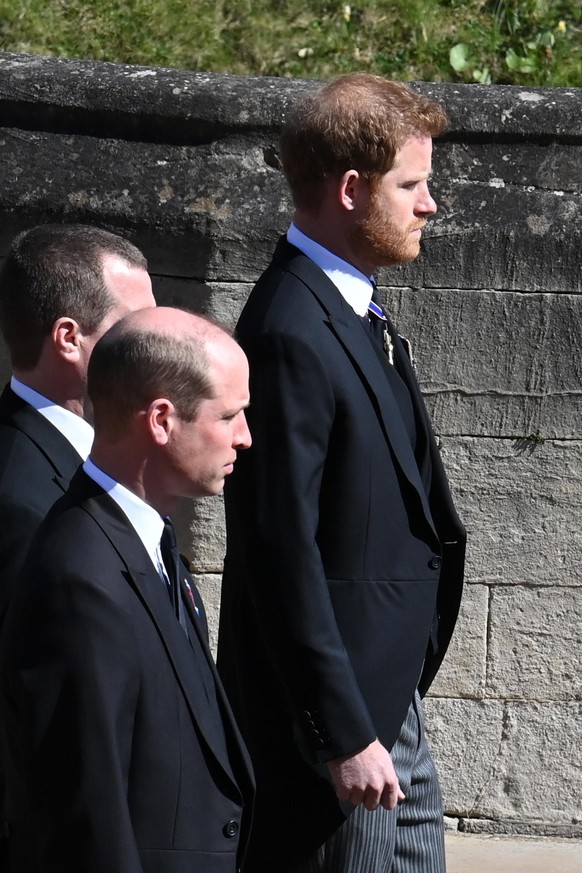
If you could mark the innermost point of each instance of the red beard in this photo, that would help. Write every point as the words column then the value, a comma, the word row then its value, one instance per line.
column 381, row 242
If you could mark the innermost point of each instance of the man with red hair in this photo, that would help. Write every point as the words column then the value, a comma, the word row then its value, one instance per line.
column 344, row 563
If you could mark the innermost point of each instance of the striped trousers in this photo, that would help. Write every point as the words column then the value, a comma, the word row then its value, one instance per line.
column 408, row 839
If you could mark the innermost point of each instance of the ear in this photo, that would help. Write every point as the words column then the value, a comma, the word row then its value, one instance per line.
column 66, row 337
column 351, row 187
column 161, row 418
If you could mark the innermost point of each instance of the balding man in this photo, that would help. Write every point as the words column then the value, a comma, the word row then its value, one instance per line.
column 124, row 756
column 61, row 287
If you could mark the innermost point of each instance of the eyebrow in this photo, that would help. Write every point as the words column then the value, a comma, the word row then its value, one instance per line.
column 228, row 413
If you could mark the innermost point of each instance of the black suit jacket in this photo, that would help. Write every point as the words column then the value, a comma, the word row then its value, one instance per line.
column 36, row 465
column 123, row 756
column 339, row 557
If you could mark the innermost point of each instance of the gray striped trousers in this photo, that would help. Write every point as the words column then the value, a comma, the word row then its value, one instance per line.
column 408, row 839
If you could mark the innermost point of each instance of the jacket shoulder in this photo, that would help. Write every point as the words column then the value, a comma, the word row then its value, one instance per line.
column 287, row 298
column 27, row 475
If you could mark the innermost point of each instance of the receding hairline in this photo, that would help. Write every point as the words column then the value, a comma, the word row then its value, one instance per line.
column 154, row 322
column 142, row 358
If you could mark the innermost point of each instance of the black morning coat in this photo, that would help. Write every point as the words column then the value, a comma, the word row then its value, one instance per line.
column 121, row 750
column 345, row 555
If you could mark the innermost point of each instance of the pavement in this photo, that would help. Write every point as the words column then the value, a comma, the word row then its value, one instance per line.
column 467, row 853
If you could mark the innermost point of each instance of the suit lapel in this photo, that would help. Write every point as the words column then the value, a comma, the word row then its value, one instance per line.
column 199, row 628
column 189, row 662
column 346, row 326
column 58, row 451
column 440, row 499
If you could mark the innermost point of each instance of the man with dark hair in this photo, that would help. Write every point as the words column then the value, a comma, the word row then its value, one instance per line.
column 61, row 287
column 123, row 754
column 344, row 563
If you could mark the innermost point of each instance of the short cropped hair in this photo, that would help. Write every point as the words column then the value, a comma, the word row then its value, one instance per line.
column 53, row 271
column 358, row 121
column 131, row 367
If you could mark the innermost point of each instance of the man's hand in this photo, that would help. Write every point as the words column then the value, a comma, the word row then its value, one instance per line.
column 367, row 777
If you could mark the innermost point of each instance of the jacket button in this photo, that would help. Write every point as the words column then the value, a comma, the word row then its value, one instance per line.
column 230, row 829
column 435, row 562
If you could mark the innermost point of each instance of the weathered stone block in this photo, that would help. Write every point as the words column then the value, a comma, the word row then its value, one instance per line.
column 134, row 97
column 468, row 246
column 220, row 300
column 511, row 760
column 535, row 647
column 227, row 300
column 465, row 737
column 201, row 534
column 519, row 416
column 521, row 504
column 532, row 828
column 526, row 165
column 183, row 293
column 464, row 667
column 209, row 587
column 495, row 363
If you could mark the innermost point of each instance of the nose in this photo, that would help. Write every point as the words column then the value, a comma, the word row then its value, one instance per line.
column 426, row 204
column 243, row 437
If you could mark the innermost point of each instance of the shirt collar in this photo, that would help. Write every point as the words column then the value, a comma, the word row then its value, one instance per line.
column 74, row 428
column 353, row 285
column 146, row 521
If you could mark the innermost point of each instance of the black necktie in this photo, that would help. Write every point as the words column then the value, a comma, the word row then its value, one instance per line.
column 173, row 564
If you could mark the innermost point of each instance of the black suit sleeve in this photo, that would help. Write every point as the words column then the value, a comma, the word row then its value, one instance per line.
column 275, row 492
column 70, row 677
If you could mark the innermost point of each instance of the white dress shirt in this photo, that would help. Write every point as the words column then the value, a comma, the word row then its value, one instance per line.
column 74, row 428
column 354, row 286
column 145, row 520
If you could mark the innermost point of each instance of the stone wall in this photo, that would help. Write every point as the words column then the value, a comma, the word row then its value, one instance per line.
column 186, row 165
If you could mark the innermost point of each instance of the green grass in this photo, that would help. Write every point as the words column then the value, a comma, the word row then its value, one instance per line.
column 526, row 42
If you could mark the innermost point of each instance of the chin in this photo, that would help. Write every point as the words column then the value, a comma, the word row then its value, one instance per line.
column 405, row 256
column 410, row 253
